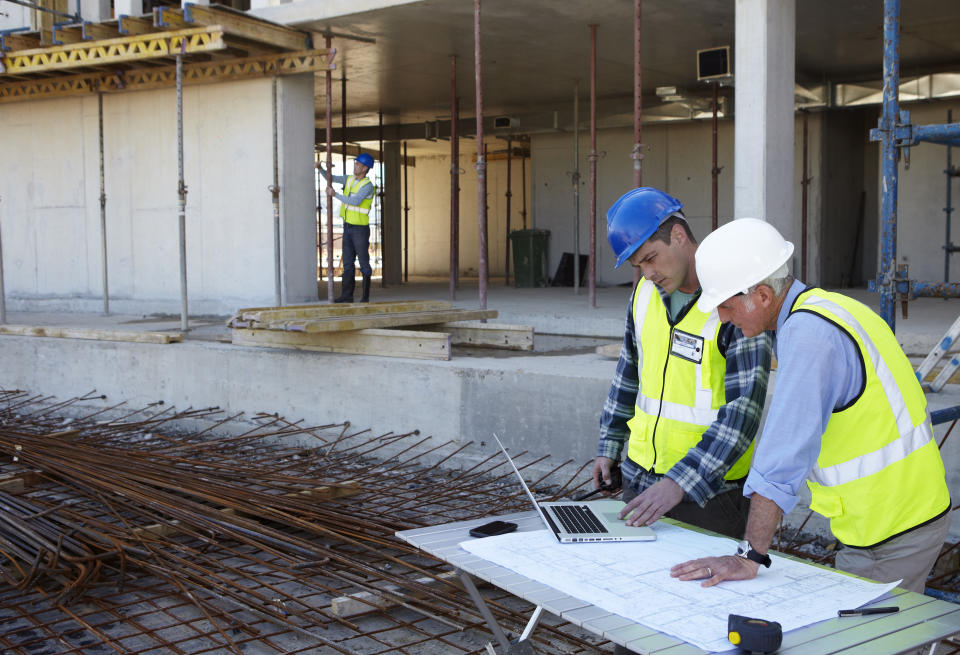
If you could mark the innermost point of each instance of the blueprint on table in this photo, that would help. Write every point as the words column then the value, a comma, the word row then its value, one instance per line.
column 633, row 580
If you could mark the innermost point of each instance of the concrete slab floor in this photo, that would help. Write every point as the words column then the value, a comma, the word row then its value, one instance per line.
column 550, row 310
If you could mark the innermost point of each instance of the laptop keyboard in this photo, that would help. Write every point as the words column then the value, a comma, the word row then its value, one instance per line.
column 577, row 519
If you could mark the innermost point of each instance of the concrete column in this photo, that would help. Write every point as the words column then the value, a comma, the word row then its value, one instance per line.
column 93, row 11
column 764, row 119
column 298, row 226
column 391, row 217
column 128, row 7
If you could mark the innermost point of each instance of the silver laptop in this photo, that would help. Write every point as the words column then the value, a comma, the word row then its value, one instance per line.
column 572, row 522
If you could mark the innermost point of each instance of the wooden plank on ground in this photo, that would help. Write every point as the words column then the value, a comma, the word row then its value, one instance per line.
column 390, row 343
column 258, row 317
column 16, row 483
column 491, row 335
column 90, row 333
column 340, row 323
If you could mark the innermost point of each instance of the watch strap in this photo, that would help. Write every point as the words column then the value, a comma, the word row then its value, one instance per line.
column 752, row 555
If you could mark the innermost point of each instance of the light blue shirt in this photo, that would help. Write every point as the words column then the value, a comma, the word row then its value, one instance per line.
column 818, row 371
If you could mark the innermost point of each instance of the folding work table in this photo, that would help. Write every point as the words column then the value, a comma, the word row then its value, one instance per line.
column 921, row 620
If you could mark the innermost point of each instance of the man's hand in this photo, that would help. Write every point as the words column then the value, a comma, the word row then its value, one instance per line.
column 330, row 191
column 602, row 468
column 653, row 503
column 714, row 570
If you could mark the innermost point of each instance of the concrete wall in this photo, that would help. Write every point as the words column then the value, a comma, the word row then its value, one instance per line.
column 16, row 16
column 921, row 224
column 549, row 404
column 430, row 211
column 51, row 214
column 677, row 159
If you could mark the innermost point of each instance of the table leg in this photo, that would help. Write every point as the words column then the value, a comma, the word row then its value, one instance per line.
column 484, row 610
column 521, row 646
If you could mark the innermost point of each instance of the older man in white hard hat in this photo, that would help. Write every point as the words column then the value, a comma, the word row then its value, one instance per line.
column 848, row 416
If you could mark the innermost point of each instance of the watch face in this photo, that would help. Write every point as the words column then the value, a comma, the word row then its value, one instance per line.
column 743, row 547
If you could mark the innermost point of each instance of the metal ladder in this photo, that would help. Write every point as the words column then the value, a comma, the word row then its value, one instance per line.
column 936, row 355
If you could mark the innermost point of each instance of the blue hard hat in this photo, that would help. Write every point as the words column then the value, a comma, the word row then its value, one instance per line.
column 635, row 217
column 366, row 160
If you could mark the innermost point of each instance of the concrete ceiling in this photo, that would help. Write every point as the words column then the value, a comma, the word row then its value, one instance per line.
column 534, row 51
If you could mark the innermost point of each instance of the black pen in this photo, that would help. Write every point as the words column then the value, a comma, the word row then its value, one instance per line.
column 863, row 611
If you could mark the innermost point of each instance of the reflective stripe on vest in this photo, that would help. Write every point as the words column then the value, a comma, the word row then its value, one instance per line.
column 879, row 472
column 677, row 399
column 356, row 214
column 911, row 437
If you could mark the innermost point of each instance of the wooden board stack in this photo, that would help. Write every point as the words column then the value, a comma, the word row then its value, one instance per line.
column 371, row 328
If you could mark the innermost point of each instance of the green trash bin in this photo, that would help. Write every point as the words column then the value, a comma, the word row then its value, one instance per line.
column 529, row 257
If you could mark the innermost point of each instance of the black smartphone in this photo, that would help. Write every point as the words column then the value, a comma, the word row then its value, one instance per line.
column 492, row 528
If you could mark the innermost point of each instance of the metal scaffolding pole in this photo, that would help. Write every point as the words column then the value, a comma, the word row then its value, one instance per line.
column 637, row 155
column 948, row 246
column 804, row 190
column 377, row 246
column 329, row 108
column 523, row 183
column 182, row 194
column 481, row 164
column 275, row 194
column 406, row 217
column 343, row 122
column 506, row 276
column 3, row 291
column 714, row 169
column 593, row 167
column 575, row 179
column 454, row 181
column 894, row 131
column 103, row 211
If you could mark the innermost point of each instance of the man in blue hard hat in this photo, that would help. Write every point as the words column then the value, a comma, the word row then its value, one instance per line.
column 687, row 397
column 355, row 203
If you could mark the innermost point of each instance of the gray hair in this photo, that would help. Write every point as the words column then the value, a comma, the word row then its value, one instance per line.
column 779, row 280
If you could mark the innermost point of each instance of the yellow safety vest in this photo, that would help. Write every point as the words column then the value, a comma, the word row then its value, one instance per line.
column 879, row 472
column 356, row 214
column 681, row 373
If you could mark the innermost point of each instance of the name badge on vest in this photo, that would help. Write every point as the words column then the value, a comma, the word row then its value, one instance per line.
column 688, row 346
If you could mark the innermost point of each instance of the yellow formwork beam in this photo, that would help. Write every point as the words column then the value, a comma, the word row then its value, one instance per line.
column 115, row 51
column 155, row 78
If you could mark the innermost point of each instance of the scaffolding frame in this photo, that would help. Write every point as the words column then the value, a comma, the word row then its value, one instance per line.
column 895, row 132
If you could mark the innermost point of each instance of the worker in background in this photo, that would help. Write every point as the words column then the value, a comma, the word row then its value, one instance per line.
column 355, row 203
column 688, row 393
column 848, row 416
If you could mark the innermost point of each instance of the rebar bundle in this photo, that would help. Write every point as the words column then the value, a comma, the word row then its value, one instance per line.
column 135, row 537
column 122, row 531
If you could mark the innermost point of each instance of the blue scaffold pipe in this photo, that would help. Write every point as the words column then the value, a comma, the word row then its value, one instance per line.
column 947, row 134
column 935, row 289
column 944, row 415
column 889, row 155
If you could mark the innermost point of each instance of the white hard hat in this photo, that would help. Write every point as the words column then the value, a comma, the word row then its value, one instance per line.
column 736, row 256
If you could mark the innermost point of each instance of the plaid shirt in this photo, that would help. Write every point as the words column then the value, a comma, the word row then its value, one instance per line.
column 700, row 472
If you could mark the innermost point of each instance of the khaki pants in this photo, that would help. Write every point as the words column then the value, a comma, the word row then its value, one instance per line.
column 908, row 557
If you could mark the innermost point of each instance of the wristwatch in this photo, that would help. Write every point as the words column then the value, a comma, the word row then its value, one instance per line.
column 746, row 551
